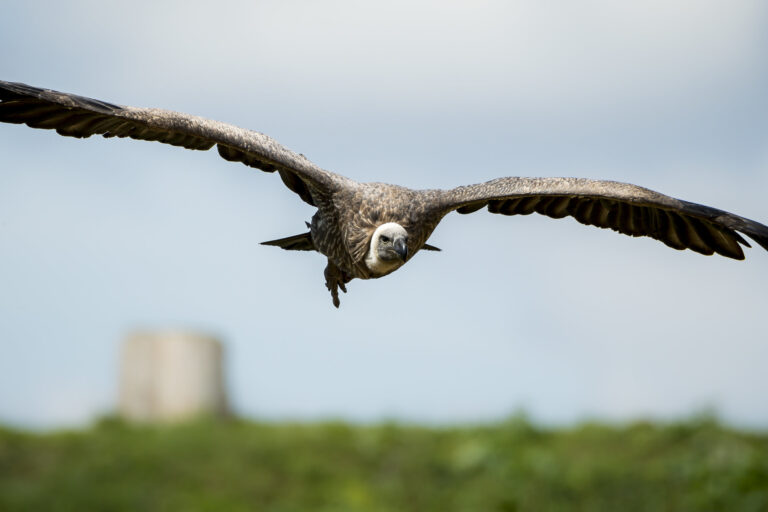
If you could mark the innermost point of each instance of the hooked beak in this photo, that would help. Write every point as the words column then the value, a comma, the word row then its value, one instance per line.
column 401, row 248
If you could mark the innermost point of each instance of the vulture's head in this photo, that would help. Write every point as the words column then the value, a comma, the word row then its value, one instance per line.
column 388, row 250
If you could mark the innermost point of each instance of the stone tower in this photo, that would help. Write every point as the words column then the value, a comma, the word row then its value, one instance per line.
column 171, row 376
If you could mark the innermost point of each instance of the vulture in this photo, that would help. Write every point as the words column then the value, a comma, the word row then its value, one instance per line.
column 368, row 230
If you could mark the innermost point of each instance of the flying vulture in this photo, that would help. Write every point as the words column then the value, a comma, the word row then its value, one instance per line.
column 368, row 230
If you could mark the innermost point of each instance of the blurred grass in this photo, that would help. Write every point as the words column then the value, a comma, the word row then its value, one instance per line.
column 286, row 467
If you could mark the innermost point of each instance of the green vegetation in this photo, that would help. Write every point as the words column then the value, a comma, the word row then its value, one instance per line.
column 285, row 467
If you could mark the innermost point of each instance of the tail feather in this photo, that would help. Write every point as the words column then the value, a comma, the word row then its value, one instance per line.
column 301, row 242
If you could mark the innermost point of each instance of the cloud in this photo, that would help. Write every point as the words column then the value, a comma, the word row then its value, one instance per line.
column 534, row 55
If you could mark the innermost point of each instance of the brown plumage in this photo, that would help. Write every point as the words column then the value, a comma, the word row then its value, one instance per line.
column 368, row 230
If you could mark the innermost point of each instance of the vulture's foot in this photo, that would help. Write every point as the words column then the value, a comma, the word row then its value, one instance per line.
column 335, row 279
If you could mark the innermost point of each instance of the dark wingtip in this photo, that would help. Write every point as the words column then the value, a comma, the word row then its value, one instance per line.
column 761, row 240
column 18, row 90
column 754, row 230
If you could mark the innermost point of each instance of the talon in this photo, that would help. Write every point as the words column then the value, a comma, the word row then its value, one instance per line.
column 334, row 279
column 335, row 297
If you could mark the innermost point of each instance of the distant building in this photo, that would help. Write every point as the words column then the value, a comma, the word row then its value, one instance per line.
column 171, row 376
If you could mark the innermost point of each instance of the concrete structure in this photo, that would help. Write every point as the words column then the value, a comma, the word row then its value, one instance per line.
column 171, row 376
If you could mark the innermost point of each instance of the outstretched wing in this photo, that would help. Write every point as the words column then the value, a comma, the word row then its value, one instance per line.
column 76, row 116
column 625, row 208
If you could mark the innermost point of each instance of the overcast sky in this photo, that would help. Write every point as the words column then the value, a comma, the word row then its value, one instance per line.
column 99, row 237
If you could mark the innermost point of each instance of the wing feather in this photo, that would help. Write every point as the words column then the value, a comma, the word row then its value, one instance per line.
column 77, row 116
column 622, row 207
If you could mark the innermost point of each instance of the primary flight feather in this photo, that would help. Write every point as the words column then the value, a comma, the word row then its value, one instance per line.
column 368, row 230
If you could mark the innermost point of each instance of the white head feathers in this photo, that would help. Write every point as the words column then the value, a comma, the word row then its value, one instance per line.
column 388, row 249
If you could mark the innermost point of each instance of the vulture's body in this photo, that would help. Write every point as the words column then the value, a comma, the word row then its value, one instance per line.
column 368, row 230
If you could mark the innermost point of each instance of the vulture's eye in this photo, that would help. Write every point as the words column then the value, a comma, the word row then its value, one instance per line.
column 384, row 239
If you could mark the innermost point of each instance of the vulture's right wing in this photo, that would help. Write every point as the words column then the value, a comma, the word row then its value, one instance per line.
column 77, row 116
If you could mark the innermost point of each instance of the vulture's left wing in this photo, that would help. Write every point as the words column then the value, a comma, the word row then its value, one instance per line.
column 625, row 208
column 77, row 116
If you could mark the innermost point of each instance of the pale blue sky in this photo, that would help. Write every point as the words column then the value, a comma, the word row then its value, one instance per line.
column 101, row 236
